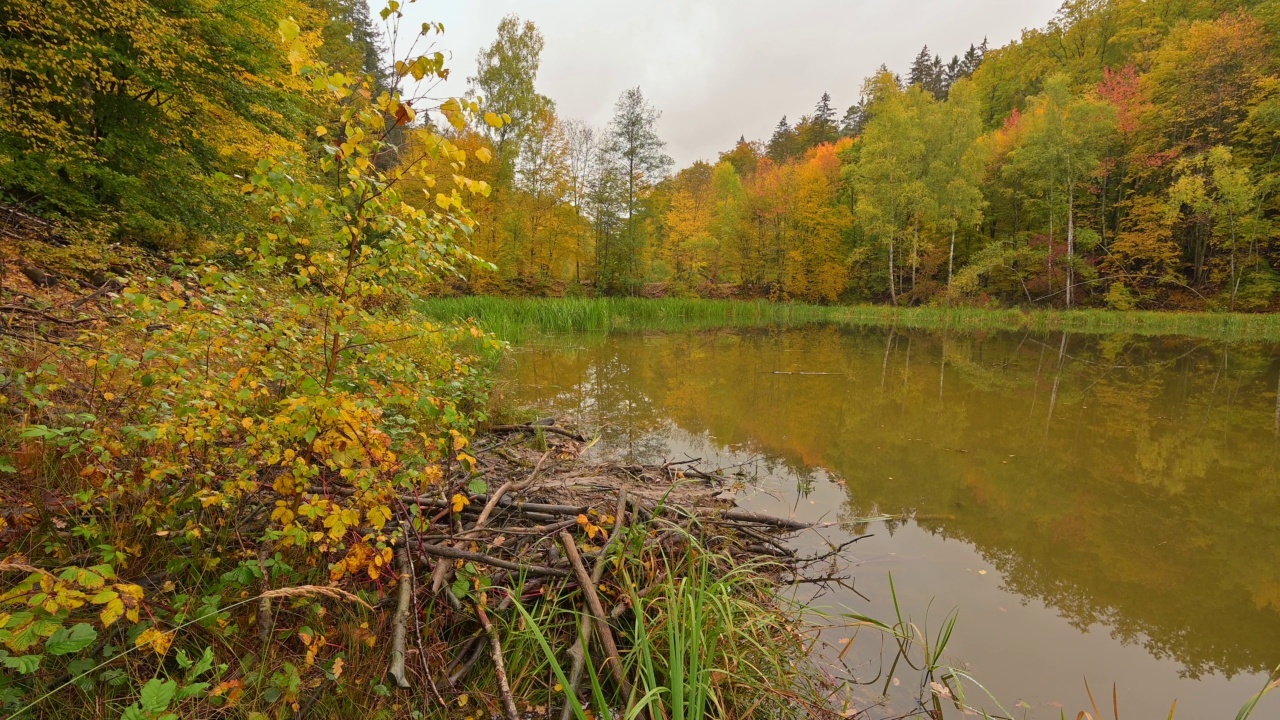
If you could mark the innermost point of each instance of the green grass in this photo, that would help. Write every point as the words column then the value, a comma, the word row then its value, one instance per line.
column 516, row 319
column 707, row 638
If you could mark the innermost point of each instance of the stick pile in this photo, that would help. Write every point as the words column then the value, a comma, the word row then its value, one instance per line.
column 549, row 532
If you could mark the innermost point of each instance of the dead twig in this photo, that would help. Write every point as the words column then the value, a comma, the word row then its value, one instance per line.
column 399, row 625
column 456, row 554
column 762, row 519
column 578, row 653
column 266, row 621
column 441, row 573
column 499, row 667
column 596, row 611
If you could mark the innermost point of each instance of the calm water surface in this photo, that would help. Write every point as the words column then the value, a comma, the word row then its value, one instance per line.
column 1093, row 507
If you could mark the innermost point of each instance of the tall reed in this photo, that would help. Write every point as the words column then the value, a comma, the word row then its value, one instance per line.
column 516, row 319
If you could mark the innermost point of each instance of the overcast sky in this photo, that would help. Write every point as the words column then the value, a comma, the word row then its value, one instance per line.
column 718, row 69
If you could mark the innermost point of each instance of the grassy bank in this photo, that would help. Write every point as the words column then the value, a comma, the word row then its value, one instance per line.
column 516, row 318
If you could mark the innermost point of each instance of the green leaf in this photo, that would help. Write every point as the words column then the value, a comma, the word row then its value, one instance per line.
column 72, row 639
column 478, row 487
column 157, row 694
column 460, row 588
column 202, row 665
column 7, row 466
column 24, row 664
column 192, row 690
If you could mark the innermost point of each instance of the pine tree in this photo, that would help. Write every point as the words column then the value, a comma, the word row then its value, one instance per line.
column 824, row 114
column 855, row 119
column 921, row 69
column 953, row 72
column 782, row 145
column 640, row 155
column 972, row 60
column 817, row 129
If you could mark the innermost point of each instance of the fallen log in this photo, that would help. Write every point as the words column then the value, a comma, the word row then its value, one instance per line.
column 749, row 516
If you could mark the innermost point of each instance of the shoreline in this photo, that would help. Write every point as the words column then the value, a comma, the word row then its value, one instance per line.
column 516, row 318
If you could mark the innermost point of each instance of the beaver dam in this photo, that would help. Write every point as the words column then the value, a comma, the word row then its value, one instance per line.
column 570, row 585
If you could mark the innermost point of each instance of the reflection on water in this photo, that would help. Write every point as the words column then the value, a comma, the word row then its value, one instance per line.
column 1100, row 506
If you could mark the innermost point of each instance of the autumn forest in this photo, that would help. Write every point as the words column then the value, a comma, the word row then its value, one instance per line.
column 267, row 452
column 1122, row 156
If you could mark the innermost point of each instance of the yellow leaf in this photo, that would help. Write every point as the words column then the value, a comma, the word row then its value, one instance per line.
column 321, row 131
column 337, row 667
column 460, row 501
column 157, row 639
column 289, row 29
column 463, row 700
column 484, row 155
column 112, row 612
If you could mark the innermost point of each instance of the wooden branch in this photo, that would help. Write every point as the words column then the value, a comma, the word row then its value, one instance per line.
column 835, row 550
column 456, row 554
column 578, row 653
column 534, row 428
column 467, row 659
column 596, row 611
column 400, row 624
column 19, row 310
column 266, row 622
column 107, row 286
column 510, row 486
column 441, row 573
column 499, row 668
column 762, row 519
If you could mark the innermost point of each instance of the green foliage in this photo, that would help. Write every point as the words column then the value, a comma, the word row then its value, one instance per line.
column 709, row 639
column 134, row 111
column 518, row 320
column 1033, row 174
column 196, row 432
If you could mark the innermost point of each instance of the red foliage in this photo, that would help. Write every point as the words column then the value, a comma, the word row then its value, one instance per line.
column 1014, row 119
column 1123, row 89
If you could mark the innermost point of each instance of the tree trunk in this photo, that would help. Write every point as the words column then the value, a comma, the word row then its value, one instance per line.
column 1050, row 242
column 915, row 253
column 1235, row 280
column 888, row 345
column 893, row 293
column 1057, row 381
column 1071, row 242
column 951, row 259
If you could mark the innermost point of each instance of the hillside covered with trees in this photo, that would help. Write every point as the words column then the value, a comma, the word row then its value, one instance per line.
column 1123, row 156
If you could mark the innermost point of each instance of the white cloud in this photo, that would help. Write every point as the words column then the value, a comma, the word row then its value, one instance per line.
column 722, row 68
